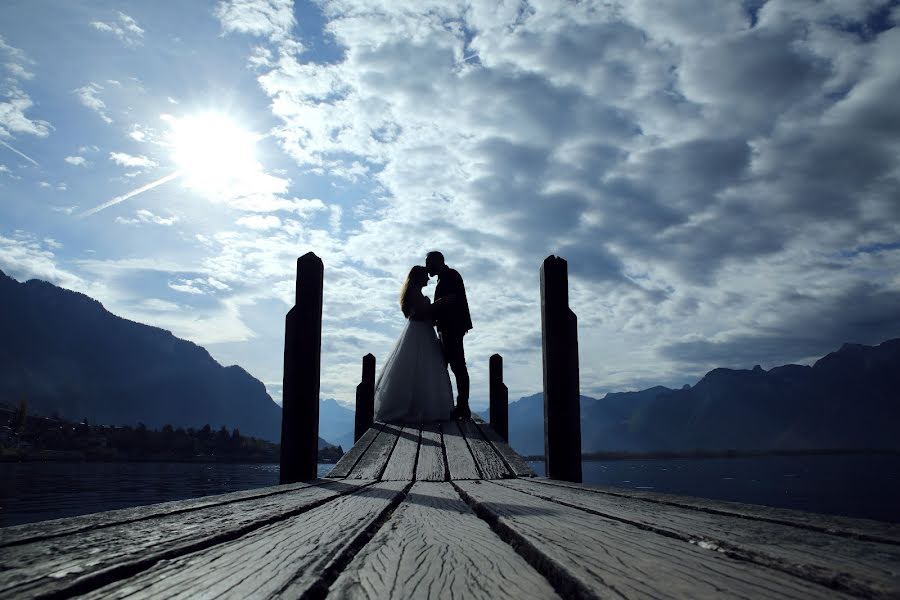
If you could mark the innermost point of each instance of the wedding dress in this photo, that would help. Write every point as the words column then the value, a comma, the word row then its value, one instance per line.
column 414, row 385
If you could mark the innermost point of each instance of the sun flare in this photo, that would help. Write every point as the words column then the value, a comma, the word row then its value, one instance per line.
column 212, row 151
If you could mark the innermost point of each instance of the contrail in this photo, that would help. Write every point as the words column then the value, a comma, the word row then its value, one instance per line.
column 22, row 154
column 131, row 194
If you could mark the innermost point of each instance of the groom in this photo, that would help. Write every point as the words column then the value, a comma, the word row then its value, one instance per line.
column 453, row 321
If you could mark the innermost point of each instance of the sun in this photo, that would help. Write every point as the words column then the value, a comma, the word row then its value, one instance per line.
column 212, row 151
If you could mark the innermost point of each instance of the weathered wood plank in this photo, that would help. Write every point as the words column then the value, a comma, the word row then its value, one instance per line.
column 434, row 546
column 285, row 559
column 82, row 561
column 371, row 464
column 43, row 530
column 459, row 458
column 431, row 465
column 513, row 459
column 589, row 555
column 858, row 567
column 351, row 457
column 490, row 463
column 863, row 529
column 402, row 463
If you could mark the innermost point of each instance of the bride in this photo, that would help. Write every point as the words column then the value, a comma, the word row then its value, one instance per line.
column 414, row 386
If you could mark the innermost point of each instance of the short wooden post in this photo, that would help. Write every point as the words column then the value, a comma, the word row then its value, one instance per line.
column 499, row 395
column 365, row 398
column 302, row 360
column 562, row 411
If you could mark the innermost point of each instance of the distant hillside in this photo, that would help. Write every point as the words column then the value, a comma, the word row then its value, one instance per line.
column 848, row 399
column 336, row 423
column 66, row 354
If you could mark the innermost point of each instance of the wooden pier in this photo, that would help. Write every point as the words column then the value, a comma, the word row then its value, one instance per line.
column 448, row 511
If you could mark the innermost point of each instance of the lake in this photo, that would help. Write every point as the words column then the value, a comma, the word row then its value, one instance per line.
column 853, row 485
column 865, row 486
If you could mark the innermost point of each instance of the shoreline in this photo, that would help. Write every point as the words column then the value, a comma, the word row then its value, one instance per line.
column 605, row 456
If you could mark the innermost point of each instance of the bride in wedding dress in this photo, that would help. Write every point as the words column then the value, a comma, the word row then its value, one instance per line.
column 414, row 386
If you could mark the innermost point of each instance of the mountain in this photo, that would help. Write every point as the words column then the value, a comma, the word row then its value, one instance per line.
column 336, row 423
column 66, row 354
column 848, row 399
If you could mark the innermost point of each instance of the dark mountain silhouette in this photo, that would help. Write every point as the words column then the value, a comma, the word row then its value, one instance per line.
column 67, row 355
column 848, row 399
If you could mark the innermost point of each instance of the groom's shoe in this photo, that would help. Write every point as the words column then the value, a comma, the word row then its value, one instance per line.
column 461, row 411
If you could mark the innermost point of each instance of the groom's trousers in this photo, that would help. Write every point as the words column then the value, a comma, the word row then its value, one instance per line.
column 455, row 355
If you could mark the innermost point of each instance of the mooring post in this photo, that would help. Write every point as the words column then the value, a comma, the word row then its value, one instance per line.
column 499, row 396
column 365, row 398
column 302, row 360
column 562, row 411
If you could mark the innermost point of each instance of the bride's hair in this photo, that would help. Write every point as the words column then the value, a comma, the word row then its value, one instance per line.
column 416, row 274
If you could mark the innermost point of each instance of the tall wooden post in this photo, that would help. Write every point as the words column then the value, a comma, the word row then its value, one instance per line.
column 499, row 395
column 562, row 411
column 365, row 398
column 302, row 359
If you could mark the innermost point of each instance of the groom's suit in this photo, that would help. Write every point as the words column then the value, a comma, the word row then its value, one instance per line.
column 453, row 321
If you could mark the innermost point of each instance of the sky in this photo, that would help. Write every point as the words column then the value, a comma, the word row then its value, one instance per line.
column 723, row 178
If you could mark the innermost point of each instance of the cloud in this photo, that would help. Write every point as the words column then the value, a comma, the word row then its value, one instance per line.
column 142, row 216
column 14, row 102
column 88, row 96
column 125, row 28
column 23, row 257
column 260, row 223
column 673, row 154
column 77, row 161
column 129, row 160
column 267, row 18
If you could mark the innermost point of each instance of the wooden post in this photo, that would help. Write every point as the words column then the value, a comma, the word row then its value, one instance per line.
column 499, row 395
column 302, row 359
column 562, row 411
column 365, row 398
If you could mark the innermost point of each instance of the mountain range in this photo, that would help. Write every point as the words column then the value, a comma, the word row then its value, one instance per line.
column 67, row 355
column 847, row 399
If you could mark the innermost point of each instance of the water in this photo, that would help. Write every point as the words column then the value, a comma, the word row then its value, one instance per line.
column 857, row 485
column 37, row 491
column 866, row 486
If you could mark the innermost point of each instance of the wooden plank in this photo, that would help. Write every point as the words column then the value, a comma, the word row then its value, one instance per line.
column 74, row 563
column 863, row 529
column 43, row 530
column 589, row 555
column 434, row 546
column 285, row 559
column 351, row 457
column 862, row 568
column 371, row 464
column 459, row 458
column 431, row 465
column 402, row 463
column 513, row 459
column 489, row 462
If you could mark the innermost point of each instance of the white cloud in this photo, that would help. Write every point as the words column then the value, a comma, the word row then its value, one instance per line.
column 269, row 18
column 24, row 257
column 260, row 223
column 502, row 135
column 145, row 216
column 15, row 102
column 129, row 160
column 125, row 28
column 78, row 161
column 88, row 96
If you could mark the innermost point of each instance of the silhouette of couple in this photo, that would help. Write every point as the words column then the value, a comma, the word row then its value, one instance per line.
column 414, row 385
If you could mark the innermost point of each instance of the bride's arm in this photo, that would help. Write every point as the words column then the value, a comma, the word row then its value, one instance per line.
column 420, row 308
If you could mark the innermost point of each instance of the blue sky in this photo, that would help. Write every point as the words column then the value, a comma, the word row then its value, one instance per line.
column 723, row 177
